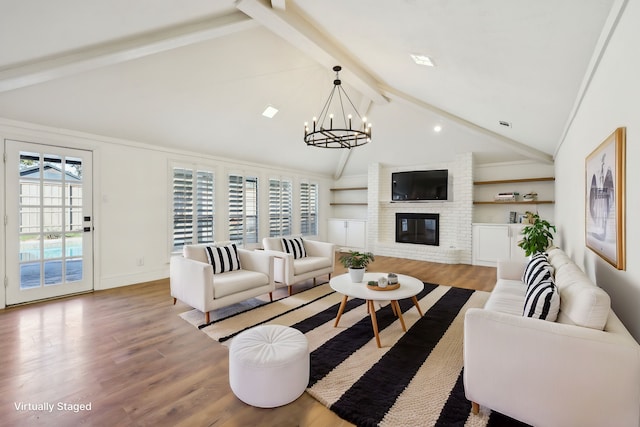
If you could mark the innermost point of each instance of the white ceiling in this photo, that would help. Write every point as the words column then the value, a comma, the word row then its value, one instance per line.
column 197, row 75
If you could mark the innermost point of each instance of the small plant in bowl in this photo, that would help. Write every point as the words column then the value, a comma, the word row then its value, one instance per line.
column 356, row 262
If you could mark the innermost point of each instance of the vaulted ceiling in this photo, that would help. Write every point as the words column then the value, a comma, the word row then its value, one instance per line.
column 197, row 74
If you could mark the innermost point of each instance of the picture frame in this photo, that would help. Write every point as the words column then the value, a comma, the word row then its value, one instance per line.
column 605, row 209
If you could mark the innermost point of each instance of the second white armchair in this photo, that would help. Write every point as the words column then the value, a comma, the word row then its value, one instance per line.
column 297, row 259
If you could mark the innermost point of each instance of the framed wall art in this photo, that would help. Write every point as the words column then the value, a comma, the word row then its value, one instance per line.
column 605, row 199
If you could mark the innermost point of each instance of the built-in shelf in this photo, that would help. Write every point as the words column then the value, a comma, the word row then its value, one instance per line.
column 348, row 189
column 521, row 202
column 349, row 203
column 514, row 181
column 511, row 181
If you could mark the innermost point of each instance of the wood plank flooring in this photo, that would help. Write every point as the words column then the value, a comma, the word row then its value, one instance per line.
column 128, row 354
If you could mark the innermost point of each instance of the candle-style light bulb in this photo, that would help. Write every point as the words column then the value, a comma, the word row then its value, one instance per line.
column 349, row 117
column 330, row 121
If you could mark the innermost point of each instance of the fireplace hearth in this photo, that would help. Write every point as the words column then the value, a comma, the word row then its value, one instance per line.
column 418, row 228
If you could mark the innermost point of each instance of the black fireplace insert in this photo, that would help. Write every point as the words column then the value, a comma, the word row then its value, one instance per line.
column 420, row 228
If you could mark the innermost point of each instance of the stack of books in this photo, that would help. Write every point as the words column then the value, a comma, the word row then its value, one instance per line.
column 507, row 197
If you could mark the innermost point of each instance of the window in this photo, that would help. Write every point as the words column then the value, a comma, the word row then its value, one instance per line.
column 308, row 209
column 243, row 209
column 280, row 204
column 192, row 206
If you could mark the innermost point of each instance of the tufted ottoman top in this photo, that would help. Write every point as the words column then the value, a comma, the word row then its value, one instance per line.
column 269, row 345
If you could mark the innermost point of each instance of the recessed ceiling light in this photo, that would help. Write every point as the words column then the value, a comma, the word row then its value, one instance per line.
column 437, row 128
column 422, row 59
column 270, row 111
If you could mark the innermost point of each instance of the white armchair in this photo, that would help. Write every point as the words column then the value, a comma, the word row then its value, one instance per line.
column 287, row 271
column 193, row 282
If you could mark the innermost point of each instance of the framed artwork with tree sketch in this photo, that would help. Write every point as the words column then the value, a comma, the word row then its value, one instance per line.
column 605, row 199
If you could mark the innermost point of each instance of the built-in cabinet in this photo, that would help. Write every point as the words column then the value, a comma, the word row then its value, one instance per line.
column 348, row 233
column 492, row 242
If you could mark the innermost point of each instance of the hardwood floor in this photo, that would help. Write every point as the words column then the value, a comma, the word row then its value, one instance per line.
column 127, row 354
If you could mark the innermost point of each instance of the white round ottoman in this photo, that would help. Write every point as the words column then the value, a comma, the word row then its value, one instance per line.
column 269, row 365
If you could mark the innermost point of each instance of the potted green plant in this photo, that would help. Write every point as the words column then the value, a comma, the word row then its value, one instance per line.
column 356, row 262
column 537, row 235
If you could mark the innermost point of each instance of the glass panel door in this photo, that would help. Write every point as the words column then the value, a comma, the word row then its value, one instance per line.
column 49, row 222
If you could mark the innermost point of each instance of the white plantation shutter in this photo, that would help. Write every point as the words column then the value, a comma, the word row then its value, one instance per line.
column 193, row 207
column 308, row 209
column 280, row 207
column 243, row 209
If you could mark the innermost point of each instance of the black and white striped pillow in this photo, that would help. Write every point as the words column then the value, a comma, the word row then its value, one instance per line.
column 537, row 270
column 295, row 247
column 223, row 258
column 542, row 301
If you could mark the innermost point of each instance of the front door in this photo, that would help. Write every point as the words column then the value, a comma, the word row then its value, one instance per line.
column 49, row 245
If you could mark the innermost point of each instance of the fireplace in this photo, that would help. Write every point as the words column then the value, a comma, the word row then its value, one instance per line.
column 420, row 228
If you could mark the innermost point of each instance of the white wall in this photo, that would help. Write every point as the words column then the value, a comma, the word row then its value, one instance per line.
column 132, row 202
column 612, row 100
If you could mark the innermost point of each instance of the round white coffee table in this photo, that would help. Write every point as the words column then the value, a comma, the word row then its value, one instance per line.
column 409, row 288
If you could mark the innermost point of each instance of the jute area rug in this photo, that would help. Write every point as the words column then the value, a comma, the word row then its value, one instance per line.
column 415, row 379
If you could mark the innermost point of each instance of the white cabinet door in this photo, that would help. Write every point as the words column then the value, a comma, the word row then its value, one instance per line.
column 517, row 253
column 337, row 231
column 348, row 233
column 356, row 234
column 491, row 243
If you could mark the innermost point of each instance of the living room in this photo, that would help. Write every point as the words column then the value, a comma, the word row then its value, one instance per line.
column 132, row 174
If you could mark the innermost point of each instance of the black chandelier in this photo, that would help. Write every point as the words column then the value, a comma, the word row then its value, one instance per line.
column 343, row 135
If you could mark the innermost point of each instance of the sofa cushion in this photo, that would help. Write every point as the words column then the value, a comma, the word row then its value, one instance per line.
column 236, row 281
column 542, row 301
column 310, row 263
column 195, row 252
column 294, row 246
column 582, row 302
column 507, row 297
column 223, row 258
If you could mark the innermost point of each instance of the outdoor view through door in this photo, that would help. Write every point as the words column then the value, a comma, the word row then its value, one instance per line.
column 49, row 222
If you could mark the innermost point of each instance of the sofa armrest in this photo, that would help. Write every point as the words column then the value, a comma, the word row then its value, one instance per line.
column 547, row 373
column 282, row 266
column 320, row 249
column 510, row 270
column 191, row 281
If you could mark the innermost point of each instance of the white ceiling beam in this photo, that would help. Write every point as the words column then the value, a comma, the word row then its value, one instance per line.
column 509, row 143
column 124, row 50
column 292, row 27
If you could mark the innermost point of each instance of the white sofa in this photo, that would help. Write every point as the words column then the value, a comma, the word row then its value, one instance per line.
column 581, row 370
column 320, row 260
column 192, row 280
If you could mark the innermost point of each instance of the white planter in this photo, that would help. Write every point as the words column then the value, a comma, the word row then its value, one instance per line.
column 357, row 274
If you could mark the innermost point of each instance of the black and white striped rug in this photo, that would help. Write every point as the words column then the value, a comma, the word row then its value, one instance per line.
column 415, row 379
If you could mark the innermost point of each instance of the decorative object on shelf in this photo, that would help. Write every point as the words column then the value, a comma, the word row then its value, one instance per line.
column 507, row 197
column 356, row 262
column 537, row 235
column 529, row 197
column 605, row 199
column 513, row 217
column 341, row 134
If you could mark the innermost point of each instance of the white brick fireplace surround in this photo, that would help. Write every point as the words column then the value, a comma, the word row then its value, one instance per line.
column 455, row 215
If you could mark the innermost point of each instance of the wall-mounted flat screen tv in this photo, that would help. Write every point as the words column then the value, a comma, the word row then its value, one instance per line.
column 420, row 185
